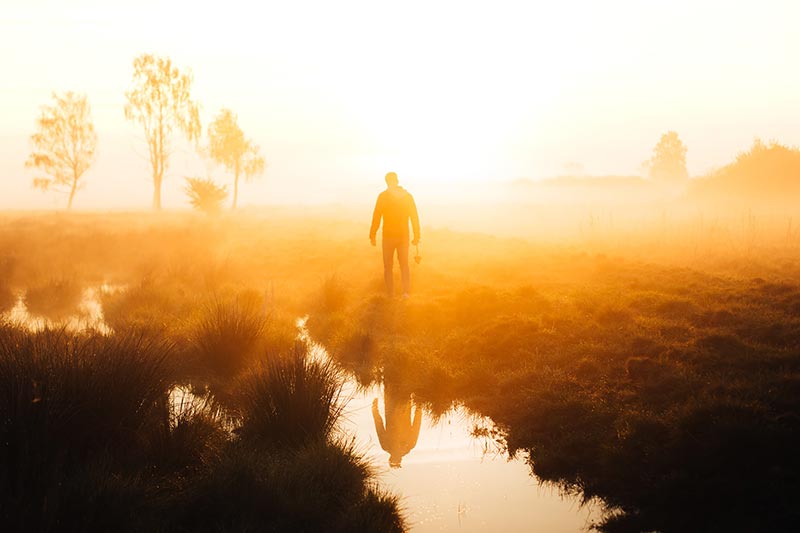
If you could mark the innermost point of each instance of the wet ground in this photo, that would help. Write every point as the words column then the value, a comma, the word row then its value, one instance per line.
column 448, row 479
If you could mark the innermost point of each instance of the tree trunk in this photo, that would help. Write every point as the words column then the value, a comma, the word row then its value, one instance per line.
column 72, row 192
column 235, row 190
column 157, row 193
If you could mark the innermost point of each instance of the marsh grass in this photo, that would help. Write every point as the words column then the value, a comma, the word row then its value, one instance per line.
column 602, row 368
column 7, row 297
column 79, row 392
column 667, row 393
column 290, row 400
column 55, row 299
column 227, row 335
column 89, row 441
column 149, row 305
column 320, row 486
column 67, row 402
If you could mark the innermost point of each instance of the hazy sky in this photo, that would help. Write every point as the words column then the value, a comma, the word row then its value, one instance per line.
column 338, row 93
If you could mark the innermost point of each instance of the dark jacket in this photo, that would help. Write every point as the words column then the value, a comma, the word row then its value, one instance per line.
column 396, row 206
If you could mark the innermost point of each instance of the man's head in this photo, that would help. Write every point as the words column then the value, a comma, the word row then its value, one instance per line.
column 391, row 179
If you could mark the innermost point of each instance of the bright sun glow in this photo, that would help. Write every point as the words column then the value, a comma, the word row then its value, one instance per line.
column 442, row 92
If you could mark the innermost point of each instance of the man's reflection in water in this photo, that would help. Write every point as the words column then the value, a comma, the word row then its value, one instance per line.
column 399, row 435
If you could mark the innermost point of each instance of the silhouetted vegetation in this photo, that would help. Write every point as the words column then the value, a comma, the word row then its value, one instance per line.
column 158, row 425
column 290, row 401
column 658, row 377
column 766, row 175
column 668, row 393
column 205, row 195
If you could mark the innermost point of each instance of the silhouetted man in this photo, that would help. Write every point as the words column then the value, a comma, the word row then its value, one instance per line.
column 400, row 434
column 396, row 206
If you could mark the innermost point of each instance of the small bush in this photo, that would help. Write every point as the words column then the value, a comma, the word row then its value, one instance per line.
column 205, row 195
column 227, row 336
column 320, row 487
column 290, row 400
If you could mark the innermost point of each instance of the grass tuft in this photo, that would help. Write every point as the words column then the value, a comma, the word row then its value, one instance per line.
column 291, row 400
column 227, row 335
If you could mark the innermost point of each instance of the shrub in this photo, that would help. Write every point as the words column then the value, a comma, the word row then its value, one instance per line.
column 227, row 335
column 290, row 400
column 205, row 195
column 68, row 401
column 319, row 487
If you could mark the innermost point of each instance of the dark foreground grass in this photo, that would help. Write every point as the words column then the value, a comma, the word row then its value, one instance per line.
column 88, row 442
column 321, row 486
column 70, row 407
column 291, row 400
column 671, row 394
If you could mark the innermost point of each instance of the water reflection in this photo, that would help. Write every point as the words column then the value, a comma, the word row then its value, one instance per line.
column 87, row 315
column 448, row 481
column 399, row 434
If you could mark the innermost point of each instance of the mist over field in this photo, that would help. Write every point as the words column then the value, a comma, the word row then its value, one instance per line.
column 422, row 267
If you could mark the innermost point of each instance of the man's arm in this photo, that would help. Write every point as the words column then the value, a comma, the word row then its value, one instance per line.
column 376, row 220
column 415, row 425
column 414, row 220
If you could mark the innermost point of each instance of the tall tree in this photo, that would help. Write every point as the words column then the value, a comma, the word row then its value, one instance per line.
column 229, row 147
column 668, row 163
column 64, row 144
column 160, row 100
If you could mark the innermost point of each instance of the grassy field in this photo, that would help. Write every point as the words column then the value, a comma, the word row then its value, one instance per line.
column 657, row 369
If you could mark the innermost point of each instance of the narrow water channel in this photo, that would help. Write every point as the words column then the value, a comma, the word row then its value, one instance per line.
column 447, row 479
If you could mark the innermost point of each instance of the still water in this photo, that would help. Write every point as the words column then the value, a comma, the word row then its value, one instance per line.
column 89, row 314
column 449, row 480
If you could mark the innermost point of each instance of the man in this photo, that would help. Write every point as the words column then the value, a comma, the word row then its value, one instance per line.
column 396, row 207
column 400, row 433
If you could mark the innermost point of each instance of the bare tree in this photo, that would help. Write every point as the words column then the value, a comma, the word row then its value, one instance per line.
column 64, row 144
column 229, row 147
column 160, row 100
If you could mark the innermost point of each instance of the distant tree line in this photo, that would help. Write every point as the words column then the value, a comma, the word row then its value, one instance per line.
column 160, row 101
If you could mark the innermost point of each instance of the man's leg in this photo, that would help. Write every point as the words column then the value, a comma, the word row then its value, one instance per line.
column 405, row 272
column 388, row 255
